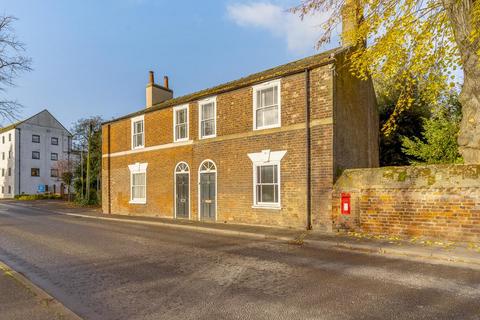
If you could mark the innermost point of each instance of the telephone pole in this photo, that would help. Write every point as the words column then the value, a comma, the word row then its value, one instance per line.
column 89, row 137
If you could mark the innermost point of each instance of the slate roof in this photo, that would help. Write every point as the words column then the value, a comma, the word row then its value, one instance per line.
column 276, row 72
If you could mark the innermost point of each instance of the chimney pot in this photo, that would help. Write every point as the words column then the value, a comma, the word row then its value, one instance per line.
column 165, row 81
column 156, row 94
column 151, row 77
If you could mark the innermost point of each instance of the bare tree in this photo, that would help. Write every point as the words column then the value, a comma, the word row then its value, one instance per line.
column 12, row 63
column 65, row 173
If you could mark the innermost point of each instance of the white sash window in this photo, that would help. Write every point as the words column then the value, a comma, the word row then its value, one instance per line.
column 266, row 178
column 138, row 133
column 266, row 105
column 208, row 123
column 180, row 123
column 138, row 183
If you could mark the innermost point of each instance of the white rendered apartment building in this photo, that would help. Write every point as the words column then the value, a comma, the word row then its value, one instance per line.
column 31, row 153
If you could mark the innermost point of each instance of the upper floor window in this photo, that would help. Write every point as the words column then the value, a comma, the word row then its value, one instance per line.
column 35, row 155
column 54, row 173
column 9, row 172
column 3, row 139
column 138, row 132
column 9, row 137
column 10, row 153
column 35, row 138
column 35, row 172
column 207, row 118
column 54, row 156
column 3, row 172
column 266, row 105
column 180, row 123
column 3, row 155
column 55, row 141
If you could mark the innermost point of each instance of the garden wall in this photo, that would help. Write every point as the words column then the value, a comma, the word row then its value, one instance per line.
column 437, row 201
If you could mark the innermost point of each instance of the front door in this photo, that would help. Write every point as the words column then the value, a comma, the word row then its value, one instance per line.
column 182, row 200
column 208, row 191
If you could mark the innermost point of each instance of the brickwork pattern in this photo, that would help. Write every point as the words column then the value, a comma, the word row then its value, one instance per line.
column 441, row 202
column 229, row 150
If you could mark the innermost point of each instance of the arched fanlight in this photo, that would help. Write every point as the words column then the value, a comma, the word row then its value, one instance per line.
column 182, row 167
column 208, row 166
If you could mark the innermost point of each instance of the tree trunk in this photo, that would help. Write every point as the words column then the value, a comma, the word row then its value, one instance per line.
column 459, row 13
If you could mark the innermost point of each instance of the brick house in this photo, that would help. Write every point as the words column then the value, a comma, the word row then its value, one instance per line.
column 265, row 149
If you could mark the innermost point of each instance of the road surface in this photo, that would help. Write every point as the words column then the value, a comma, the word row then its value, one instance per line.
column 116, row 270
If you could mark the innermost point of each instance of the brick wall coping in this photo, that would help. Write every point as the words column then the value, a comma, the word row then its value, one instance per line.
column 425, row 176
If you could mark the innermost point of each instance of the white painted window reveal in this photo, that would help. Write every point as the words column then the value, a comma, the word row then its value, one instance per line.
column 180, row 123
column 138, row 132
column 208, row 118
column 138, row 183
column 266, row 178
column 267, row 105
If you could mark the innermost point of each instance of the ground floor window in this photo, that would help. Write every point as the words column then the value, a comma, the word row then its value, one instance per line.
column 35, row 172
column 138, row 183
column 266, row 178
column 266, row 184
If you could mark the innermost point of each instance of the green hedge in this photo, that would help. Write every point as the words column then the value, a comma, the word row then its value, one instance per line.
column 37, row 196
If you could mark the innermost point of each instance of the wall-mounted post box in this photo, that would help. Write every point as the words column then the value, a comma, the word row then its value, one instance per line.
column 345, row 205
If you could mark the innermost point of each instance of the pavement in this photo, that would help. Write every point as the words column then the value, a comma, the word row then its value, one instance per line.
column 415, row 249
column 113, row 269
column 20, row 299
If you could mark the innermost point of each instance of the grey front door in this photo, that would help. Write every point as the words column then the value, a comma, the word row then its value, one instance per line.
column 208, row 190
column 182, row 200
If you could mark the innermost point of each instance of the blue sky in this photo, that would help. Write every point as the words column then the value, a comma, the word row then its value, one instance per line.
column 92, row 57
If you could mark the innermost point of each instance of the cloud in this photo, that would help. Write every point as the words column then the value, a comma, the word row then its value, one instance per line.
column 300, row 36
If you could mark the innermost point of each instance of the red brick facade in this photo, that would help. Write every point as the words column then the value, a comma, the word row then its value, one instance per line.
column 235, row 140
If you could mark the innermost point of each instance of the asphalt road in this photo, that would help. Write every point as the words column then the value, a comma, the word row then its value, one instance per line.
column 115, row 270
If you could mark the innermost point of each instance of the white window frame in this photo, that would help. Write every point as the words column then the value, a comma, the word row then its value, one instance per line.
column 265, row 158
column 136, row 169
column 132, row 125
column 200, row 104
column 175, row 109
column 264, row 86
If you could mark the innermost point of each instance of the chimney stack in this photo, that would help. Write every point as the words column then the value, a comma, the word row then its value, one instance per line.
column 165, row 81
column 155, row 93
column 151, row 77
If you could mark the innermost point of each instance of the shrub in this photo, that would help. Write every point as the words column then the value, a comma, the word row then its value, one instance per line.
column 30, row 197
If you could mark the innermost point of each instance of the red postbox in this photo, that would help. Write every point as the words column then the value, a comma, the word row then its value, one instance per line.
column 346, row 208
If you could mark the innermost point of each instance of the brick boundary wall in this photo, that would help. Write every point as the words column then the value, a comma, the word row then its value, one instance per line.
column 435, row 201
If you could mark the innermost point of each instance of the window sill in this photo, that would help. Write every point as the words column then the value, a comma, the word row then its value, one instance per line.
column 267, row 207
column 138, row 202
column 139, row 147
column 267, row 127
column 181, row 140
column 208, row 137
